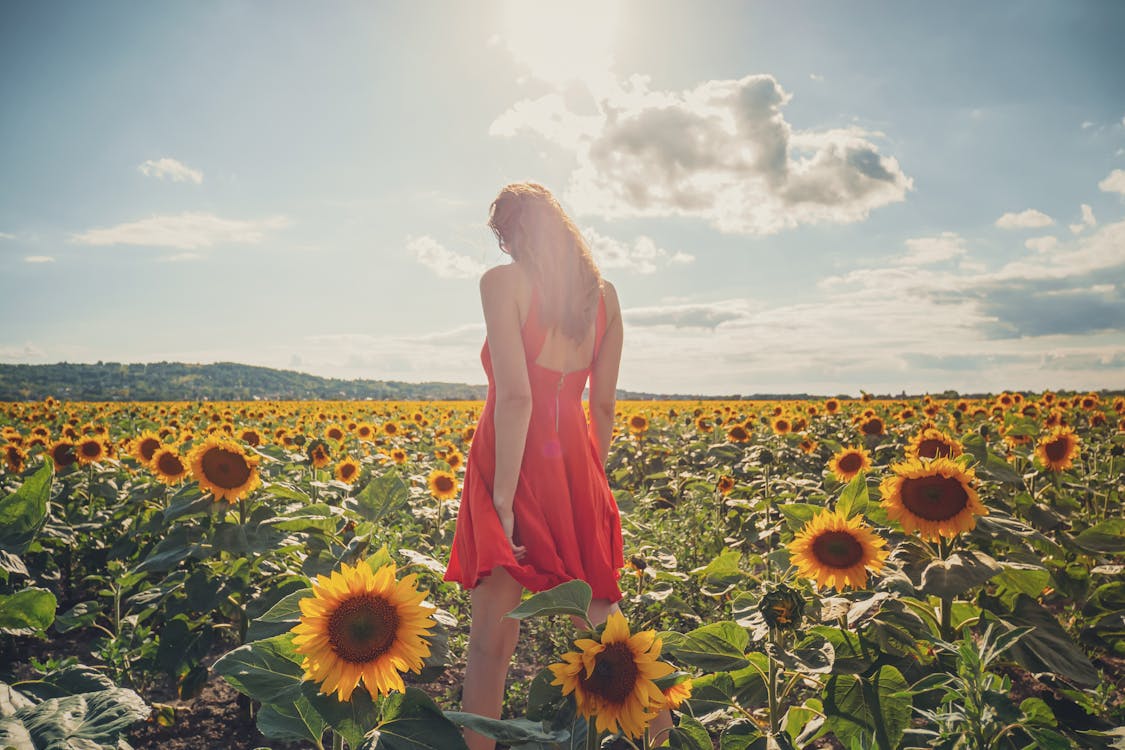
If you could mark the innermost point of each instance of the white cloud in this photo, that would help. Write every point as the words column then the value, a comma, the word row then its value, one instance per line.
column 1042, row 244
column 1114, row 183
column 816, row 77
column 1029, row 219
column 6, row 236
column 1087, row 125
column 642, row 256
column 38, row 259
column 170, row 168
column 186, row 231
column 927, row 250
column 178, row 257
column 16, row 353
column 443, row 262
column 689, row 315
column 721, row 151
column 1088, row 220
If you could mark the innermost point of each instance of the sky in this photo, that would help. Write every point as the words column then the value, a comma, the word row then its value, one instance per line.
column 814, row 197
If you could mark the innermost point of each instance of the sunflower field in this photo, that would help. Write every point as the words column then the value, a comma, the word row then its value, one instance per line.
column 829, row 573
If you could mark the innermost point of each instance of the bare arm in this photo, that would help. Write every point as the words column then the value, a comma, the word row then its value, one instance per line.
column 603, row 376
column 513, row 389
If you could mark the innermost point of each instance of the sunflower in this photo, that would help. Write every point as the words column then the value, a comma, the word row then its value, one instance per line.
column 455, row 459
column 347, row 469
column 62, row 453
column 725, row 484
column 677, row 694
column 638, row 424
column 363, row 624
column 390, row 428
column 399, row 455
column 781, row 425
column 468, row 433
column 443, row 485
column 934, row 497
column 145, row 446
column 872, row 426
column 317, row 452
column 90, row 450
column 807, row 444
column 1057, row 450
column 849, row 461
column 250, row 437
column 365, row 431
column 221, row 466
column 837, row 551
column 14, row 458
column 738, row 434
column 612, row 680
column 832, row 406
column 334, row 432
column 168, row 466
column 703, row 424
column 931, row 443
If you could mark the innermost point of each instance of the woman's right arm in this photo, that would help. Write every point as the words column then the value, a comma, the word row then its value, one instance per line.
column 603, row 376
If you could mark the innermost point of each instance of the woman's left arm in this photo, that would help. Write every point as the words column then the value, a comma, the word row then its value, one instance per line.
column 513, row 389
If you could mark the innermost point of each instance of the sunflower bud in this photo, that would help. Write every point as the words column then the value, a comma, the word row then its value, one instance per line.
column 765, row 457
column 983, row 430
column 782, row 607
column 638, row 562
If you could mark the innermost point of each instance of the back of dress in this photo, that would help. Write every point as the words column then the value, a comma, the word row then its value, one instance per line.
column 565, row 513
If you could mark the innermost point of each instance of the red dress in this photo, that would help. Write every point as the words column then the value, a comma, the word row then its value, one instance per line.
column 565, row 513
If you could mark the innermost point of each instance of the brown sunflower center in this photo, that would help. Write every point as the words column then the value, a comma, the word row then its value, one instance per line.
column 1056, row 450
column 932, row 448
column 91, row 449
column 148, row 448
column 873, row 427
column 347, row 470
column 614, row 676
column 837, row 549
column 64, row 455
column 850, row 462
column 443, row 483
column 934, row 498
column 225, row 468
column 169, row 463
column 363, row 628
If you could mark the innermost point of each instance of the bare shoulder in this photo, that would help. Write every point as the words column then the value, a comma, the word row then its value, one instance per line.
column 612, row 303
column 499, row 279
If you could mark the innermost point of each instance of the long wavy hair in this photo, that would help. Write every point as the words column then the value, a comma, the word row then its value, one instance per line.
column 532, row 227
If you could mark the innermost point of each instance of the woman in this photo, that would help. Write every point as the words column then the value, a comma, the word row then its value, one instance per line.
column 536, row 509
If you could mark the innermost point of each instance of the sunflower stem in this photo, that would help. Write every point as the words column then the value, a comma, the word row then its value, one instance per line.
column 771, row 693
column 337, row 740
column 769, row 521
column 591, row 734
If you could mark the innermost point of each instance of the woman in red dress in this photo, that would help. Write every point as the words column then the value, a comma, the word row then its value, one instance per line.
column 536, row 509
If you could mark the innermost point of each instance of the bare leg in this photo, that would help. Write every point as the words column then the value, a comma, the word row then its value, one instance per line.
column 600, row 609
column 492, row 641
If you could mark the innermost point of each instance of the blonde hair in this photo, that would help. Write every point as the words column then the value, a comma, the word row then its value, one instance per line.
column 532, row 227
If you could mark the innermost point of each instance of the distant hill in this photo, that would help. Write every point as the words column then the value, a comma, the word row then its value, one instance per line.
column 222, row 381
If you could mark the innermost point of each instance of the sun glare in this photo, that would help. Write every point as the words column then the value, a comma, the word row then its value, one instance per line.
column 561, row 43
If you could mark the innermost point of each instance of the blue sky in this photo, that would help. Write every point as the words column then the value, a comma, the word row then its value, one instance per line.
column 808, row 196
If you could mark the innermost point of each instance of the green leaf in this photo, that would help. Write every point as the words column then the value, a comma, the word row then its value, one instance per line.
column 383, row 494
column 716, row 647
column 23, row 513
column 871, row 712
column 815, row 656
column 508, row 731
column 352, row 720
column 742, row 735
column 14, row 735
column 854, row 499
column 1047, row 647
column 1022, row 578
column 1036, row 711
column 291, row 721
column 279, row 618
column 1107, row 536
column 570, row 598
column 959, row 573
column 988, row 463
column 27, row 612
column 78, row 616
column 99, row 717
column 690, row 735
column 798, row 514
column 267, row 671
column 412, row 721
